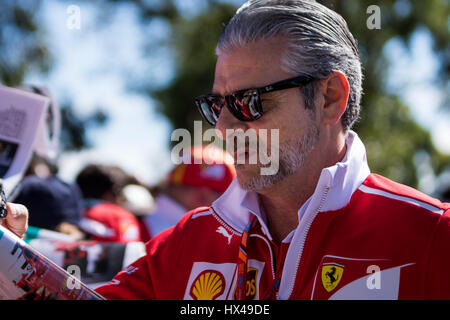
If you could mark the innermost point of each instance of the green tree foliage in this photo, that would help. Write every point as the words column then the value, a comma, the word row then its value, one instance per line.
column 22, row 46
column 194, row 42
column 75, row 127
column 391, row 135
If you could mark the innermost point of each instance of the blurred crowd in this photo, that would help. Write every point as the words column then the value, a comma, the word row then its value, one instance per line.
column 108, row 204
column 105, row 210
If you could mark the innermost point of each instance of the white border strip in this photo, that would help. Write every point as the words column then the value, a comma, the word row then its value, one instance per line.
column 201, row 214
column 416, row 202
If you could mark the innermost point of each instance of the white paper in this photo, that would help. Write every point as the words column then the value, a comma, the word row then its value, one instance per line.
column 21, row 114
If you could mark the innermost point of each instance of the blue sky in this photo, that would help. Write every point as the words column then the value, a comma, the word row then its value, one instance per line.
column 94, row 64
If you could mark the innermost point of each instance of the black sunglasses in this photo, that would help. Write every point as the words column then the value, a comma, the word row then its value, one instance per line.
column 244, row 104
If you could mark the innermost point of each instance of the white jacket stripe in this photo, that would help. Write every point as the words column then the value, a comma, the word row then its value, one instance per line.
column 386, row 194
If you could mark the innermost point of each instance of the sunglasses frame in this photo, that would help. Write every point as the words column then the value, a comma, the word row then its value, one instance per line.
column 277, row 86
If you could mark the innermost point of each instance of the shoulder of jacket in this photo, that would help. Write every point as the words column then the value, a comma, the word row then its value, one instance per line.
column 199, row 219
column 192, row 229
column 388, row 189
column 207, row 217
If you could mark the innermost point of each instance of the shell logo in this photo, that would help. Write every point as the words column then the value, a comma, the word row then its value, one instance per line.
column 208, row 285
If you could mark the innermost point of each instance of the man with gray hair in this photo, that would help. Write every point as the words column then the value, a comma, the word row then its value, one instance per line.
column 323, row 226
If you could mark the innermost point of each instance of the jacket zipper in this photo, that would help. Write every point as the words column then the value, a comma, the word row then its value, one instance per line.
column 303, row 240
column 223, row 223
column 272, row 261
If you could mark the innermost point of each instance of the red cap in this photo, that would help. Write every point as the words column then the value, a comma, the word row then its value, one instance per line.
column 110, row 223
column 209, row 167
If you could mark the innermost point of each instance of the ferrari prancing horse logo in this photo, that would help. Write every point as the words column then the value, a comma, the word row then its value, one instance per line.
column 331, row 275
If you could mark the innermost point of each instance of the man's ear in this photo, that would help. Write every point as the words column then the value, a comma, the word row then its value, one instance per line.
column 335, row 91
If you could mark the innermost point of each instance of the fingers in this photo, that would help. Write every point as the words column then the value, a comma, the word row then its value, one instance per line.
column 17, row 219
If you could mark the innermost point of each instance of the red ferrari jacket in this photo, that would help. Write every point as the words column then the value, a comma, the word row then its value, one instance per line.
column 360, row 236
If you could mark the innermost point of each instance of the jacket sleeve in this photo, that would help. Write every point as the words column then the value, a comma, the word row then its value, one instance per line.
column 131, row 284
column 437, row 274
column 139, row 279
column 154, row 276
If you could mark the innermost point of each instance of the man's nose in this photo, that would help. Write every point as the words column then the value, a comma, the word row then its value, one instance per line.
column 226, row 121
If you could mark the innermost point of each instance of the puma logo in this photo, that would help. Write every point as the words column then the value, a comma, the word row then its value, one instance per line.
column 224, row 232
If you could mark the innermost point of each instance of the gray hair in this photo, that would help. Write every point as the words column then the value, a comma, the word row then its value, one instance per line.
column 318, row 43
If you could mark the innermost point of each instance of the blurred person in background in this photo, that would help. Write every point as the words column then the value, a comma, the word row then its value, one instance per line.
column 104, row 217
column 189, row 186
column 53, row 204
column 138, row 199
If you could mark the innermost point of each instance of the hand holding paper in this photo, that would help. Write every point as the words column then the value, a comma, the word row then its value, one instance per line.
column 16, row 219
column 13, row 216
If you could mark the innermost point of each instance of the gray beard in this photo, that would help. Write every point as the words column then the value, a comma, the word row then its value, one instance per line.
column 292, row 155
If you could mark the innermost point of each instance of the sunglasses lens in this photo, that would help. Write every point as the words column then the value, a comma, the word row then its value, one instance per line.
column 210, row 107
column 246, row 106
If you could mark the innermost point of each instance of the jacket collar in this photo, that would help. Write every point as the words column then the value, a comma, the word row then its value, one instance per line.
column 342, row 179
